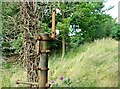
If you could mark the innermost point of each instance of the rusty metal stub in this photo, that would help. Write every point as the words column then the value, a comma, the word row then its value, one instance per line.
column 42, row 68
column 29, row 83
column 47, row 85
column 44, row 37
column 39, row 37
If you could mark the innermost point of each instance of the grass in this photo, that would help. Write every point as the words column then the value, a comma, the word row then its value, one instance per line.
column 90, row 65
column 10, row 73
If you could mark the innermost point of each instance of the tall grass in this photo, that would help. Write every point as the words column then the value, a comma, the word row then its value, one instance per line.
column 90, row 65
column 10, row 73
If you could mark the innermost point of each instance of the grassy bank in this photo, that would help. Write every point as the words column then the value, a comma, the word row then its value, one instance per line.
column 90, row 65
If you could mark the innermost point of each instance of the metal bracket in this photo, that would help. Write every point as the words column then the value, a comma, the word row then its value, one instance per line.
column 42, row 69
column 47, row 85
column 44, row 38
column 29, row 83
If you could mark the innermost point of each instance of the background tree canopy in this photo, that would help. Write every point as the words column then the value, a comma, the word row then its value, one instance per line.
column 77, row 23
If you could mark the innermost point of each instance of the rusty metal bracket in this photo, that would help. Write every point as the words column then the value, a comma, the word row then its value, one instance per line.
column 42, row 69
column 44, row 38
column 39, row 38
column 29, row 83
column 47, row 85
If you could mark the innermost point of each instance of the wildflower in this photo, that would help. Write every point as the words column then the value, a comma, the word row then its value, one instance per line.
column 52, row 81
column 61, row 77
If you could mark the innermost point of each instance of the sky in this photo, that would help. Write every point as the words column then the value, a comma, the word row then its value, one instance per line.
column 114, row 11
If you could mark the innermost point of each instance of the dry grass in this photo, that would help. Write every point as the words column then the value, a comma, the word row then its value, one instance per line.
column 96, row 66
column 91, row 65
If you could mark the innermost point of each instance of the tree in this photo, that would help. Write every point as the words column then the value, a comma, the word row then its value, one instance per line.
column 64, row 25
column 78, row 22
column 10, row 29
column 64, row 30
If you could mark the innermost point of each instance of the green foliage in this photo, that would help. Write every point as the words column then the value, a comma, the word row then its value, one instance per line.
column 11, row 48
column 115, row 32
column 89, row 17
column 7, row 49
column 6, row 65
column 10, row 29
column 17, row 43
column 45, row 28
column 10, row 8
column 66, row 82
column 64, row 26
